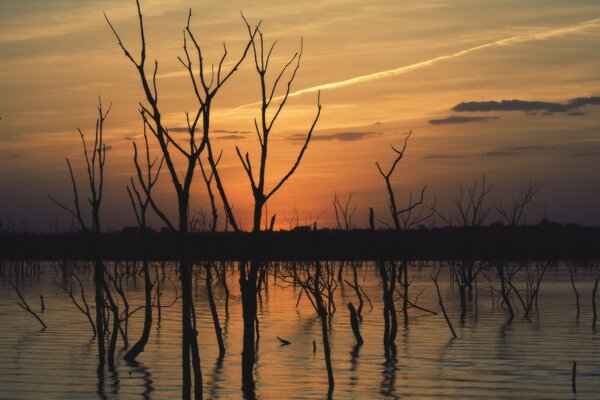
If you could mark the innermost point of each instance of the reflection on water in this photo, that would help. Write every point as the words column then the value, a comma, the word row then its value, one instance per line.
column 490, row 359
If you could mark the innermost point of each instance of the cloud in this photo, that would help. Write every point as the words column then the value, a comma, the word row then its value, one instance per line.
column 229, row 131
column 181, row 129
column 500, row 152
column 531, row 147
column 231, row 137
column 586, row 154
column 342, row 136
column 527, row 37
column 548, row 108
column 436, row 156
column 457, row 119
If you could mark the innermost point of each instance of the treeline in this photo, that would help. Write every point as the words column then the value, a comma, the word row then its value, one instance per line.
column 545, row 241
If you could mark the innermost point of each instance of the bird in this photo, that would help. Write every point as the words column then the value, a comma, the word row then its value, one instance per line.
column 283, row 341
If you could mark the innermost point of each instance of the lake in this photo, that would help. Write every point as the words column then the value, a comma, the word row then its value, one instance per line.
column 526, row 358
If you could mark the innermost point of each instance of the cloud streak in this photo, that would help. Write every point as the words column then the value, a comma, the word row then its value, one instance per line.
column 341, row 136
column 458, row 119
column 527, row 37
column 499, row 152
column 527, row 106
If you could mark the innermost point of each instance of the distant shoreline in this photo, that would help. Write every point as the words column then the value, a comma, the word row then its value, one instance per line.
column 546, row 241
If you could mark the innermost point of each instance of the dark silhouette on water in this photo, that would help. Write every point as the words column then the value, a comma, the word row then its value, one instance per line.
column 140, row 200
column 395, row 270
column 283, row 342
column 205, row 92
column 23, row 304
column 95, row 160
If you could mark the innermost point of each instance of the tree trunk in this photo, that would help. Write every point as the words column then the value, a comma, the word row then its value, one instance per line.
column 213, row 310
column 137, row 348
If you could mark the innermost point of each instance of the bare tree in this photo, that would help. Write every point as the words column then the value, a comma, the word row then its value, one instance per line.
column 512, row 215
column 140, row 201
column 434, row 277
column 23, row 304
column 205, row 91
column 343, row 212
column 252, row 271
column 318, row 286
column 343, row 217
column 389, row 271
column 95, row 159
column 70, row 290
column 471, row 212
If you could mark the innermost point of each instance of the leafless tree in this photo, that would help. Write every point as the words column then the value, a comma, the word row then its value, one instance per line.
column 344, row 212
column 343, row 217
column 95, row 159
column 317, row 284
column 471, row 212
column 434, row 277
column 574, row 289
column 69, row 288
column 511, row 215
column 205, row 90
column 140, row 201
column 24, row 305
column 392, row 270
column 251, row 271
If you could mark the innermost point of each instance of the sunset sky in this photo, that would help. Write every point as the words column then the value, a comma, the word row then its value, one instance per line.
column 384, row 67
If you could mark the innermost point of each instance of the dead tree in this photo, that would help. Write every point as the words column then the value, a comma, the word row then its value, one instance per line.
column 317, row 288
column 343, row 217
column 140, row 201
column 23, row 304
column 511, row 215
column 95, row 159
column 397, row 269
column 252, row 270
column 268, row 118
column 205, row 90
column 208, row 180
column 594, row 291
column 574, row 289
column 70, row 290
column 434, row 277
column 343, row 212
column 471, row 212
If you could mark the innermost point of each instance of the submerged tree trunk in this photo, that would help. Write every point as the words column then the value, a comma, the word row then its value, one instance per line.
column 213, row 310
column 327, row 351
column 248, row 286
column 139, row 346
column 99, row 300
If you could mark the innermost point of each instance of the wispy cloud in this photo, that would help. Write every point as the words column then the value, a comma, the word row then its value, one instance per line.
column 230, row 131
column 587, row 154
column 342, row 136
column 231, row 137
column 182, row 129
column 528, row 106
column 457, row 119
column 527, row 37
column 499, row 152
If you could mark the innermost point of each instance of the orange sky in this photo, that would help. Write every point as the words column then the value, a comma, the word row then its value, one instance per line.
column 384, row 67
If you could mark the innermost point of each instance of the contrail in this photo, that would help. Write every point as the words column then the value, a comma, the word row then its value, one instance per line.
column 428, row 63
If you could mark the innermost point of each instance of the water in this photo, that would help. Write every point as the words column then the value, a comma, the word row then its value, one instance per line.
column 490, row 359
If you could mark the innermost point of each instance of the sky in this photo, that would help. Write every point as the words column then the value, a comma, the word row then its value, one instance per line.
column 504, row 88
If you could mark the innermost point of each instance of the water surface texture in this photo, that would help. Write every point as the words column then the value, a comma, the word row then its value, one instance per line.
column 490, row 359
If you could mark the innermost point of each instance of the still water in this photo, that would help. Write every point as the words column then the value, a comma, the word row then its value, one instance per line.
column 490, row 359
